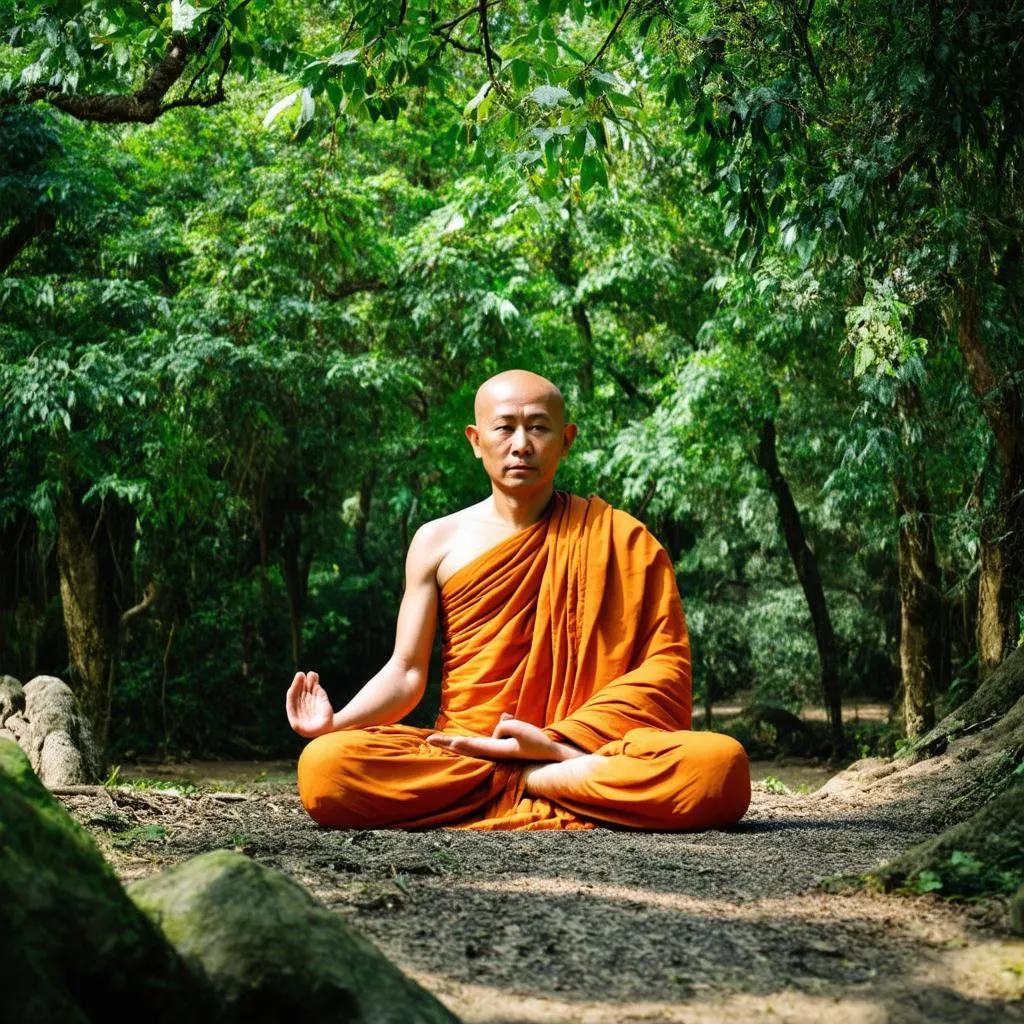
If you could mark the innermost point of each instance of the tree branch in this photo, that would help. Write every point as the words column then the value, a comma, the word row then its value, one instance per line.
column 146, row 104
column 611, row 35
column 143, row 606
column 343, row 291
column 15, row 239
column 489, row 54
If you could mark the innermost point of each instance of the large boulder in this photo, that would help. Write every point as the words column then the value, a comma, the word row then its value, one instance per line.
column 272, row 952
column 58, row 740
column 12, row 697
column 75, row 947
column 218, row 939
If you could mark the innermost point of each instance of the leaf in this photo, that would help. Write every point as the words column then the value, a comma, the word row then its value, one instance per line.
column 344, row 58
column 550, row 96
column 183, row 16
column 620, row 99
column 927, row 881
column 520, row 72
column 592, row 172
column 863, row 357
column 477, row 99
column 307, row 108
column 280, row 106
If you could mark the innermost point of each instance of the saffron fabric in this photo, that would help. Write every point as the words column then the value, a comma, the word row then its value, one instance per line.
column 574, row 625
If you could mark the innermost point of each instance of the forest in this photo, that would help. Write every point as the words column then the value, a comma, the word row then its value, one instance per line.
column 256, row 257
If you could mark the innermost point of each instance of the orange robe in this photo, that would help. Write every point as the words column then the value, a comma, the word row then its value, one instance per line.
column 575, row 625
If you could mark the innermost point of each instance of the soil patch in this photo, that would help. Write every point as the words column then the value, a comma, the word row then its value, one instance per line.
column 618, row 926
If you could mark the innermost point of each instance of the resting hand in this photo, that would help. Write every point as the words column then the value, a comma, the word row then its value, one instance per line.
column 512, row 740
column 308, row 706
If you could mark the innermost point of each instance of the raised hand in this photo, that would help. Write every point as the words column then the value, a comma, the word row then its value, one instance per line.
column 307, row 705
column 512, row 740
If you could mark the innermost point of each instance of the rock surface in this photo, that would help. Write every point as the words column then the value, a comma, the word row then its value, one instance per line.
column 218, row 939
column 55, row 734
column 75, row 947
column 12, row 697
column 272, row 952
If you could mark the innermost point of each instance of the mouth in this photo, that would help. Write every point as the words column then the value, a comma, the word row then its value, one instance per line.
column 521, row 468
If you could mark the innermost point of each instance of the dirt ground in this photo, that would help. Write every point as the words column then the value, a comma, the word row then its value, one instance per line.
column 612, row 927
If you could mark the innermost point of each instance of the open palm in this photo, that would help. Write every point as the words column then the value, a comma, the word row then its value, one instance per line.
column 308, row 706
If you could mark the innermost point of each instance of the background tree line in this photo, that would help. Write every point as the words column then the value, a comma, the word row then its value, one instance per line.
column 257, row 256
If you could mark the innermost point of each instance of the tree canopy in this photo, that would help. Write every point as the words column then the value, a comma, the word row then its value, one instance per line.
column 256, row 256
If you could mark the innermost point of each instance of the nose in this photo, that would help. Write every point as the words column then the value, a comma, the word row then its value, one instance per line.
column 520, row 441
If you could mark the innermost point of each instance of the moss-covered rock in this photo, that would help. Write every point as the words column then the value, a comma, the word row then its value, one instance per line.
column 983, row 854
column 272, row 952
column 75, row 948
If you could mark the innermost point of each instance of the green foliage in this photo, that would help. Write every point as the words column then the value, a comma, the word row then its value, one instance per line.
column 964, row 875
column 144, row 835
column 248, row 333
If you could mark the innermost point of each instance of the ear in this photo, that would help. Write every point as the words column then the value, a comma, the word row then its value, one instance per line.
column 473, row 436
column 568, row 436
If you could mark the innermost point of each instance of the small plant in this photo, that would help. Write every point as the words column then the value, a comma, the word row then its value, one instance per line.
column 242, row 841
column 926, row 881
column 774, row 785
column 183, row 786
column 141, row 834
column 963, row 874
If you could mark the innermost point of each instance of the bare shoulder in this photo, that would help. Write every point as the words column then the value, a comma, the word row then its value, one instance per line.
column 433, row 541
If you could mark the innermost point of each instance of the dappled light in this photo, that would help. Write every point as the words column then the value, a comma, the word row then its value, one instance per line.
column 593, row 425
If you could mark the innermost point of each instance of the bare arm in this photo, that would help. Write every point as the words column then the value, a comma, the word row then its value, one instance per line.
column 397, row 688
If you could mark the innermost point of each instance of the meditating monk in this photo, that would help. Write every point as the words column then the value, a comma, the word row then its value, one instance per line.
column 565, row 691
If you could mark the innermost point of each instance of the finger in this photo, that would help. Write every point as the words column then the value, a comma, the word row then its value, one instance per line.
column 292, row 696
column 484, row 747
column 507, row 727
column 314, row 678
column 505, row 715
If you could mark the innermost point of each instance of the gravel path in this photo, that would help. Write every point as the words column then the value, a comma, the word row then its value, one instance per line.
column 611, row 927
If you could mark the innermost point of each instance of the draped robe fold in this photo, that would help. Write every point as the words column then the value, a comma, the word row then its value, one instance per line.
column 575, row 625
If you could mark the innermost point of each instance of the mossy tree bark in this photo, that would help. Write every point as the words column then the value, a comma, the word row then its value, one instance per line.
column 920, row 596
column 995, row 705
column 93, row 551
column 983, row 850
column 1001, row 580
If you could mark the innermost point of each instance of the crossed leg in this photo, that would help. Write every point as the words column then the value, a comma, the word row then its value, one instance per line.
column 389, row 776
column 653, row 780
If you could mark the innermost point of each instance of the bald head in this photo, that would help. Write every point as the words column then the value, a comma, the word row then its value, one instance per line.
column 518, row 388
column 520, row 433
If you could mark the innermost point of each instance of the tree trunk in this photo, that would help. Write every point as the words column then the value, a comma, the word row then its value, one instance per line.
column 919, row 617
column 810, row 579
column 709, row 698
column 920, row 596
column 586, row 334
column 87, row 550
column 296, row 581
column 566, row 275
column 1001, row 581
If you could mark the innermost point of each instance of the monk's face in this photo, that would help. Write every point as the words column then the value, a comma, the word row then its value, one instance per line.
column 520, row 433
